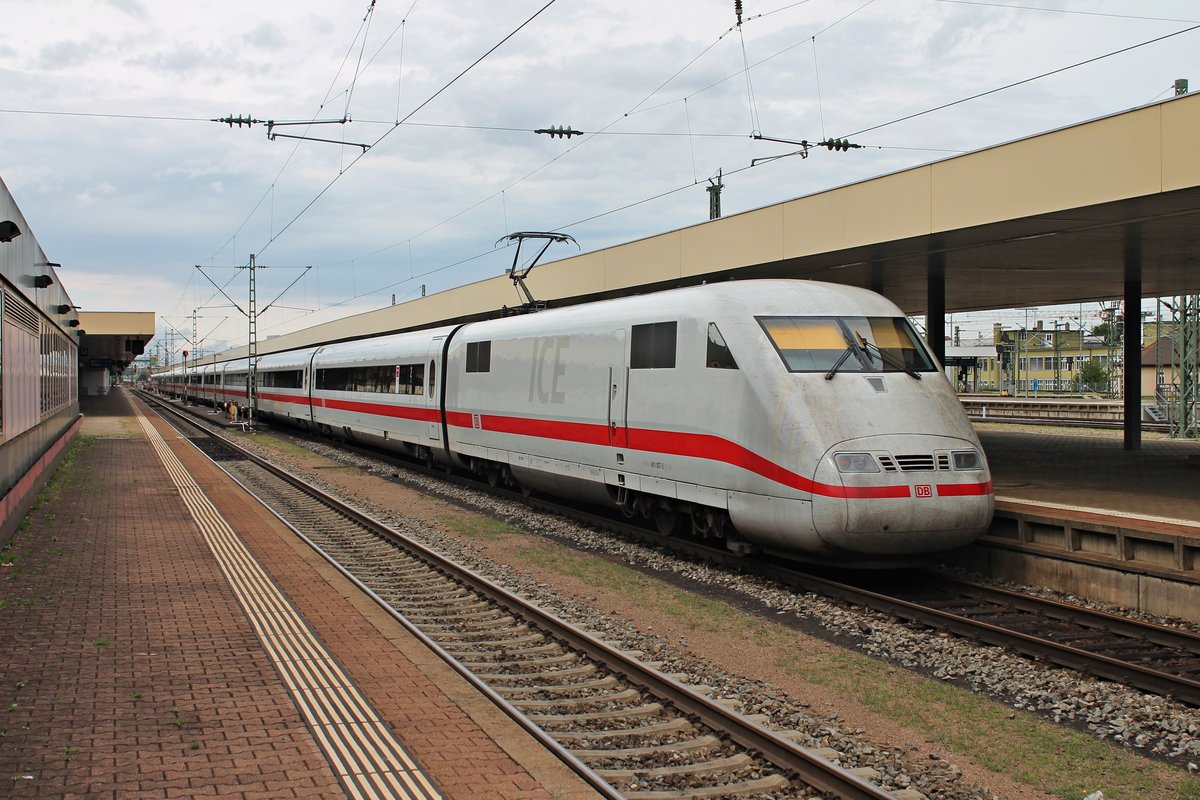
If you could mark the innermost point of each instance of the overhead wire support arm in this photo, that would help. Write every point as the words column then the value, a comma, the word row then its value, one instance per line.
column 249, row 122
column 200, row 269
column 804, row 145
column 273, row 124
column 274, row 136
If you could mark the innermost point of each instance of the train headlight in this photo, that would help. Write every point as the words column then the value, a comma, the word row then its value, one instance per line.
column 855, row 462
column 968, row 460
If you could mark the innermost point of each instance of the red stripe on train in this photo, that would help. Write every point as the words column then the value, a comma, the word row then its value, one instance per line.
column 692, row 445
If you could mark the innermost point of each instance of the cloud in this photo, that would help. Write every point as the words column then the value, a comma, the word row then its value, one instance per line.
column 131, row 8
column 156, row 195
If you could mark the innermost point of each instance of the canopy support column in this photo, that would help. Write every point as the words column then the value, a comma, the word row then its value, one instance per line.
column 935, row 306
column 1132, row 356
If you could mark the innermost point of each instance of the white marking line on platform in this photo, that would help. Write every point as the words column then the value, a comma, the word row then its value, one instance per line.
column 368, row 758
column 1092, row 510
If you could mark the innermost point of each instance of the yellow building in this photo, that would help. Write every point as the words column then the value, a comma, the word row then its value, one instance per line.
column 1049, row 361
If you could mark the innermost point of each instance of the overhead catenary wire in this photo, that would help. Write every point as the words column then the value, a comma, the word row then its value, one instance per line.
column 734, row 171
column 1024, row 81
column 408, row 116
column 1015, row 6
column 663, row 194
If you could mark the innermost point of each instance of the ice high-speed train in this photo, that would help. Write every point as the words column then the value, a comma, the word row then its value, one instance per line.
column 788, row 416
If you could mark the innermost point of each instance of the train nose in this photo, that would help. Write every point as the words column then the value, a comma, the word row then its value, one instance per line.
column 902, row 494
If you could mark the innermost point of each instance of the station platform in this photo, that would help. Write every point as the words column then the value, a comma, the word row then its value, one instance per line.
column 1091, row 470
column 136, row 667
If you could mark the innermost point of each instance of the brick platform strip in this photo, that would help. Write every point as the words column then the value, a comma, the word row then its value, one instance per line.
column 370, row 761
column 130, row 670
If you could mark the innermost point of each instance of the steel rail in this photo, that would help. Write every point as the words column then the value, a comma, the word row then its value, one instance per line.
column 1166, row 637
column 1177, row 686
column 807, row 766
column 1101, row 666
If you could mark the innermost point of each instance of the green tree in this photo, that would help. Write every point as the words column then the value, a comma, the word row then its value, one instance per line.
column 1110, row 332
column 1092, row 376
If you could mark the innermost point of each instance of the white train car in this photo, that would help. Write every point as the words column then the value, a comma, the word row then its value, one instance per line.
column 282, row 380
column 791, row 416
column 809, row 416
column 383, row 390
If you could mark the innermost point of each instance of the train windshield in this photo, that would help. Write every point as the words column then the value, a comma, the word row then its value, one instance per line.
column 847, row 344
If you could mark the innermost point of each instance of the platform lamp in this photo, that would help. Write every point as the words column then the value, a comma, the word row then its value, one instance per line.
column 9, row 230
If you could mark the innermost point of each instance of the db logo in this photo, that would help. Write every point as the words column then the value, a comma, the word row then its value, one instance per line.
column 924, row 490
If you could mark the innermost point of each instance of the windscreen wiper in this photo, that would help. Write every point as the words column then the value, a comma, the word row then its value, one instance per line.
column 888, row 358
column 851, row 348
column 841, row 360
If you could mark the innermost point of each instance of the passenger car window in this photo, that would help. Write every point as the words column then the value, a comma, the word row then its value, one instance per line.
column 479, row 356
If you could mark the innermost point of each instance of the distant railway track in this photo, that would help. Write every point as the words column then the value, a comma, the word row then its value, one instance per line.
column 628, row 729
column 1067, row 422
column 1050, row 410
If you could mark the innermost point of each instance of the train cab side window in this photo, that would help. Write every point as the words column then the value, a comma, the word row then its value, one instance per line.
column 479, row 356
column 718, row 355
column 652, row 346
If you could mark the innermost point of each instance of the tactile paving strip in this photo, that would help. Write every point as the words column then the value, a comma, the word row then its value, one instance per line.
column 367, row 757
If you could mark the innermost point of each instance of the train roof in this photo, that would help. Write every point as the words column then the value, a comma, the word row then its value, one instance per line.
column 288, row 359
column 713, row 301
column 381, row 349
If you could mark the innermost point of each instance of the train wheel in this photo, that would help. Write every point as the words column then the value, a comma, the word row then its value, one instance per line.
column 668, row 521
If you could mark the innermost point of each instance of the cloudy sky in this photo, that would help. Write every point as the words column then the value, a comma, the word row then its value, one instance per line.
column 106, row 143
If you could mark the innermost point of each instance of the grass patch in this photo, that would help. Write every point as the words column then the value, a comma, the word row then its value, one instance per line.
column 65, row 478
column 1018, row 744
column 274, row 442
column 102, row 641
column 697, row 613
column 477, row 527
column 1066, row 762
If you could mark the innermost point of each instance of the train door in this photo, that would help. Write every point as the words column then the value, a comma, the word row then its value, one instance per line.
column 618, row 394
column 309, row 380
column 433, row 390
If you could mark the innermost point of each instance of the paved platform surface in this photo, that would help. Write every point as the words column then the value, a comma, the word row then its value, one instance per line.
column 1092, row 470
column 130, row 670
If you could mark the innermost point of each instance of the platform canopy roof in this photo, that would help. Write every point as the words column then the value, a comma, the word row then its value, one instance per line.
column 1054, row 218
column 112, row 339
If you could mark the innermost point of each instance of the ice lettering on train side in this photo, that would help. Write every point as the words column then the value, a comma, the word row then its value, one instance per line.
column 546, row 368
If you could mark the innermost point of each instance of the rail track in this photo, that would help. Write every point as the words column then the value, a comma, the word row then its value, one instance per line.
column 1153, row 658
column 628, row 729
column 1067, row 422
